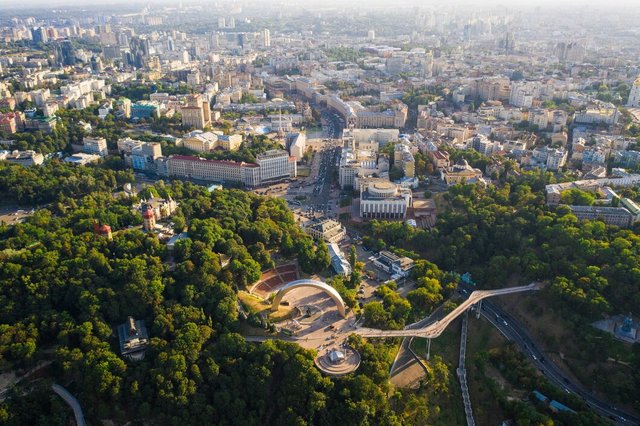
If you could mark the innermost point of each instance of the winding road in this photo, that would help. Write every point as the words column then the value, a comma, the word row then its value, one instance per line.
column 514, row 332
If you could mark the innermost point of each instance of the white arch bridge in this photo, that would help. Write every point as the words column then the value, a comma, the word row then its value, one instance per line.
column 435, row 329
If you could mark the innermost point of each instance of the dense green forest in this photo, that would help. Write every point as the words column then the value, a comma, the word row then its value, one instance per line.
column 507, row 235
column 55, row 181
column 64, row 289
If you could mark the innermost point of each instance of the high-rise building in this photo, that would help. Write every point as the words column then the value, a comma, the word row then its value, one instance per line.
column 570, row 52
column 96, row 64
column 39, row 35
column 139, row 50
column 634, row 94
column 509, row 43
column 371, row 35
column 428, row 65
column 266, row 38
column 243, row 40
column 196, row 113
column 171, row 45
column 66, row 54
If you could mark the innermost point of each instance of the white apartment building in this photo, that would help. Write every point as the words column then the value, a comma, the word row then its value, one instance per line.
column 552, row 159
column 96, row 146
column 539, row 117
column 601, row 113
column 138, row 154
column 523, row 93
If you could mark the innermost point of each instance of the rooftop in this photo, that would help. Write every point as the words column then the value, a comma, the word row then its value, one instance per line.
column 133, row 337
column 204, row 160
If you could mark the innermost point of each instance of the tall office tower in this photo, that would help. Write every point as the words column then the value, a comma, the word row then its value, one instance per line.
column 139, row 50
column 222, row 22
column 242, row 40
column 570, row 52
column 427, row 71
column 634, row 94
column 232, row 23
column 214, row 41
column 266, row 38
column 39, row 35
column 371, row 35
column 66, row 54
column 171, row 46
column 96, row 64
column 509, row 43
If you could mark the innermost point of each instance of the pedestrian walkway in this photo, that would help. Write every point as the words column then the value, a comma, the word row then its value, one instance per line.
column 72, row 401
column 462, row 372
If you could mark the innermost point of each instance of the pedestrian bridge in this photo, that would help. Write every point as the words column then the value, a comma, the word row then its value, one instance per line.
column 435, row 329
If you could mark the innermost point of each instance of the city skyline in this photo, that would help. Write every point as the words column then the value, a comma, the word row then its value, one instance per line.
column 316, row 213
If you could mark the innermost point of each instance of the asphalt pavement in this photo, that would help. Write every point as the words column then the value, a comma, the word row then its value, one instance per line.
column 517, row 334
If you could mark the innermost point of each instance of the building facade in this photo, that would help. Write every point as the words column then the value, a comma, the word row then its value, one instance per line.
column 384, row 200
column 196, row 113
column 618, row 216
column 97, row 146
column 190, row 167
column 328, row 230
column 276, row 165
column 634, row 94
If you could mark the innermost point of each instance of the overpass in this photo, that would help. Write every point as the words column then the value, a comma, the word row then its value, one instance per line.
column 435, row 329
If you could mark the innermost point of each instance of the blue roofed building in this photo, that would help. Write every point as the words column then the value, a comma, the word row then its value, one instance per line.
column 145, row 109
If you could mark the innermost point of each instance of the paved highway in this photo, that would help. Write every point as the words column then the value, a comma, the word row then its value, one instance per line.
column 436, row 329
column 517, row 334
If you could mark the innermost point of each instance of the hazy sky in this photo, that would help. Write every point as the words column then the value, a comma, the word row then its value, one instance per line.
column 615, row 4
